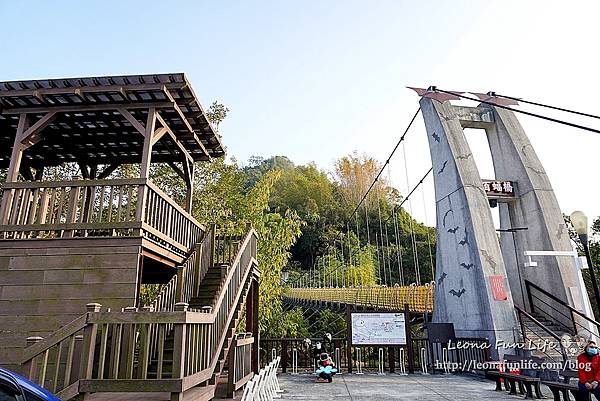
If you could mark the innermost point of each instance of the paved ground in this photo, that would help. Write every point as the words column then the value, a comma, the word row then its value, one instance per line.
column 371, row 387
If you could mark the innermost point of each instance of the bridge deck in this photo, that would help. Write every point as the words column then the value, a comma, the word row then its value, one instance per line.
column 390, row 388
column 419, row 298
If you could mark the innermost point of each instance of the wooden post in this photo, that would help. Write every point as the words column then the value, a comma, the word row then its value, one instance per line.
column 189, row 194
column 255, row 328
column 89, row 344
column 284, row 355
column 145, row 166
column 231, row 361
column 13, row 169
column 179, row 351
column 349, row 337
column 409, row 347
column 392, row 358
column 213, row 241
column 180, row 284
column 30, row 368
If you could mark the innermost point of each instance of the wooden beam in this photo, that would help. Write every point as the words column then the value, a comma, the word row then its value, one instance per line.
column 189, row 195
column 158, row 134
column 78, row 91
column 33, row 134
column 147, row 150
column 177, row 170
column 87, row 108
column 189, row 127
column 17, row 151
column 182, row 148
column 137, row 125
column 13, row 169
column 180, row 113
column 108, row 170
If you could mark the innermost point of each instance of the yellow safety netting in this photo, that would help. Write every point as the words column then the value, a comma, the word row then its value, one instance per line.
column 418, row 297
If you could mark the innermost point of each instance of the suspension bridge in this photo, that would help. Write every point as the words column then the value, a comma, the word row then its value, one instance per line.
column 478, row 277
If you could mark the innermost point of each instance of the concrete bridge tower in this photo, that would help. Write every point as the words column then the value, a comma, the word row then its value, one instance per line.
column 479, row 280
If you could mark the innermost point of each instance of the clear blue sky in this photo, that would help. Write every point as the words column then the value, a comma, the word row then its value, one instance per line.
column 314, row 80
column 297, row 76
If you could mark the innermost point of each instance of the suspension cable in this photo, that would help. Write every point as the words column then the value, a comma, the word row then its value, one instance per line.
column 412, row 120
column 428, row 237
column 412, row 229
column 528, row 113
column 579, row 113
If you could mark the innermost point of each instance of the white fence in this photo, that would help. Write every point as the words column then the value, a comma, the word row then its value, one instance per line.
column 264, row 386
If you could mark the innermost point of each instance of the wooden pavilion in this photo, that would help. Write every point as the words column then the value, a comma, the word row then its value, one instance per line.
column 97, row 238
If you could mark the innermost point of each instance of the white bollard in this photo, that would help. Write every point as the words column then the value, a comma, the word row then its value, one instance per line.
column 381, row 366
column 424, row 361
column 338, row 361
column 401, row 365
column 273, row 354
column 445, row 361
column 295, row 361
column 359, row 361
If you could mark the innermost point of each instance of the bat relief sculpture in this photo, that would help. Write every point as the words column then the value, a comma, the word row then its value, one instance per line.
column 457, row 294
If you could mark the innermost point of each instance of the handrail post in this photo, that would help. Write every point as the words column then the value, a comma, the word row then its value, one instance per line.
column 180, row 284
column 89, row 344
column 179, row 344
column 231, row 360
column 529, row 296
column 213, row 241
column 284, row 355
column 30, row 368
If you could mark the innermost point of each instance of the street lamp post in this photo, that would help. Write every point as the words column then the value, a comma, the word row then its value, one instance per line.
column 513, row 230
column 580, row 223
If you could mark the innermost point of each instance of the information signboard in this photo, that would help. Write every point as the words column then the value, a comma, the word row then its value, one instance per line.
column 378, row 328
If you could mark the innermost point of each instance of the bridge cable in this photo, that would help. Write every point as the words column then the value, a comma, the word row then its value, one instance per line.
column 396, row 236
column 388, row 159
column 428, row 237
column 397, row 207
column 398, row 247
column 381, row 236
column 579, row 113
column 412, row 229
column 386, row 163
column 528, row 113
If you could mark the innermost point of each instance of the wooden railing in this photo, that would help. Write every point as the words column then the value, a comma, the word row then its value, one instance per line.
column 98, row 208
column 419, row 298
column 130, row 350
column 239, row 363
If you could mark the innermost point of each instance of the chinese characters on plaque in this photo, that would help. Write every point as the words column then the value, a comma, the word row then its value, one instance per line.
column 498, row 290
column 499, row 188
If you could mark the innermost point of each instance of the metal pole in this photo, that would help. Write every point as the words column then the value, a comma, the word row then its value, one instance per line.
column 584, row 242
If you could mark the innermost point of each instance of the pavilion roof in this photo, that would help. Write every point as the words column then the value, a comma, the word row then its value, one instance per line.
column 88, row 126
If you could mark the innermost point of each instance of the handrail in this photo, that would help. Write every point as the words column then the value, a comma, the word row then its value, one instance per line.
column 230, row 273
column 521, row 313
column 538, row 323
column 97, row 208
column 529, row 284
column 174, row 204
column 132, row 340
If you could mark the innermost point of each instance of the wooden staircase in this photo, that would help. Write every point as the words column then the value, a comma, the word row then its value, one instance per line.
column 178, row 345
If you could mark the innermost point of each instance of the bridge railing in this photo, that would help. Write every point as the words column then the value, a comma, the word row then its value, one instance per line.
column 421, row 357
column 418, row 297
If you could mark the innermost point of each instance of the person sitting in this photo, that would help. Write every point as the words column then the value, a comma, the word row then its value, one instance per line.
column 588, row 369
